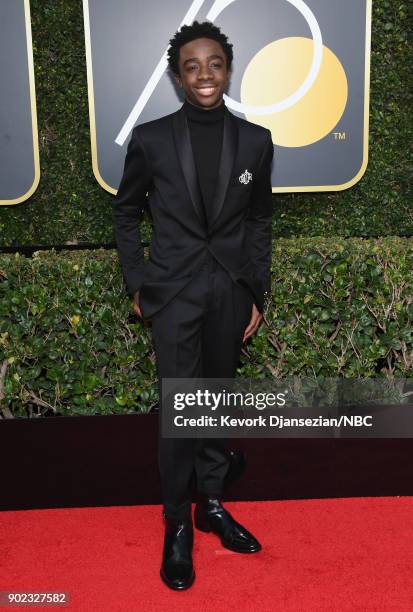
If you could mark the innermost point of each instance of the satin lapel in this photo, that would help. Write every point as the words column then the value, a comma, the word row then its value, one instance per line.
column 226, row 164
column 184, row 151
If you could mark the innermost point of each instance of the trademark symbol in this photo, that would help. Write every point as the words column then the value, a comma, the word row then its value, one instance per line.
column 339, row 135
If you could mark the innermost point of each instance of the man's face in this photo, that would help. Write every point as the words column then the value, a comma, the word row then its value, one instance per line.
column 203, row 73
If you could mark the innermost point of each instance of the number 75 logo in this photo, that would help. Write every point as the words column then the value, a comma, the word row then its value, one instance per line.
column 301, row 69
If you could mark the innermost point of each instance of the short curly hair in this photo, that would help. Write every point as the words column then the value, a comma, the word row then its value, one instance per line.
column 187, row 33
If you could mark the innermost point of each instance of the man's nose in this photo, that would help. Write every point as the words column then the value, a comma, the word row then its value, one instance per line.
column 204, row 72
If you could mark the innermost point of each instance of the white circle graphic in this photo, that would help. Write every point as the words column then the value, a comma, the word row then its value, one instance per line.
column 308, row 15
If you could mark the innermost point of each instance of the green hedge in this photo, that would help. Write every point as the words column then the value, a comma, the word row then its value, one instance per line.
column 71, row 344
column 70, row 207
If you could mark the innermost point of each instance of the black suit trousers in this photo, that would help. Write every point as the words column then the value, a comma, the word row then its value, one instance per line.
column 198, row 334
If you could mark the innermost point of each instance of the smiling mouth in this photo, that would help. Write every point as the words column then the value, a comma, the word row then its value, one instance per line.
column 207, row 91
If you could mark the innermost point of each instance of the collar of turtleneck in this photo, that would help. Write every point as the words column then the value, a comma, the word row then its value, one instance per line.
column 202, row 115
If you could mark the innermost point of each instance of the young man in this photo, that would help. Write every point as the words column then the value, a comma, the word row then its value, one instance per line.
column 208, row 176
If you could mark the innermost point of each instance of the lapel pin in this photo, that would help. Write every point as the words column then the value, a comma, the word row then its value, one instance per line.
column 245, row 177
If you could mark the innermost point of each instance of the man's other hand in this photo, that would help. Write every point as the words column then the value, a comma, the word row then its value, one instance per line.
column 136, row 306
column 256, row 318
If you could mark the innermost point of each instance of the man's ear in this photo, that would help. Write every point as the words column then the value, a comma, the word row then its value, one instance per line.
column 229, row 75
column 178, row 80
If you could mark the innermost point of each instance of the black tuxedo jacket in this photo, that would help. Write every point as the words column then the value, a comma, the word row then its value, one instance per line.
column 160, row 168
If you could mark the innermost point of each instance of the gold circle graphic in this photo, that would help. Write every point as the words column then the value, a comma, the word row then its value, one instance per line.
column 276, row 72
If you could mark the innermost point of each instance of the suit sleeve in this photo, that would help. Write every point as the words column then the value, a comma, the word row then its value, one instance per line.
column 259, row 218
column 127, row 207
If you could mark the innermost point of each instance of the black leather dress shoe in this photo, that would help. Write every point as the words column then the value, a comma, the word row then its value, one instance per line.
column 210, row 515
column 177, row 570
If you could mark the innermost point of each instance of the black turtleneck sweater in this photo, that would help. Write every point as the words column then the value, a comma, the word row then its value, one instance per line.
column 206, row 129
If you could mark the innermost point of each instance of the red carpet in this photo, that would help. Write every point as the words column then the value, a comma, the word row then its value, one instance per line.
column 336, row 554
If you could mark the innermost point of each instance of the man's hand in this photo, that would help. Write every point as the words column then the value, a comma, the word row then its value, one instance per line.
column 256, row 318
column 136, row 306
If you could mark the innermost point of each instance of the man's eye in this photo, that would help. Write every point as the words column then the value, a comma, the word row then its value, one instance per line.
column 215, row 64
